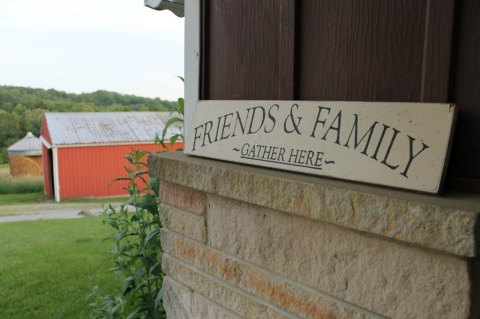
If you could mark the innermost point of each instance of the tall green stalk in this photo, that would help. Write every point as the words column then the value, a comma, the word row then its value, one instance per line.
column 136, row 249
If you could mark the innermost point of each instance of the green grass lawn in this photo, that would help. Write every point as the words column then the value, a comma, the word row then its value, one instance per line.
column 20, row 184
column 19, row 190
column 49, row 267
column 14, row 199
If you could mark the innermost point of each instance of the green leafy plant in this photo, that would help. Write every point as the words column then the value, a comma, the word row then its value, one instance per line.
column 176, row 120
column 106, row 306
column 136, row 249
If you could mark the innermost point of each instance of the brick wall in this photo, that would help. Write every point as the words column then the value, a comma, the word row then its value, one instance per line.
column 226, row 256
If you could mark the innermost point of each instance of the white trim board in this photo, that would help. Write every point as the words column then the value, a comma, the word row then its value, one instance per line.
column 192, row 60
column 56, row 177
column 45, row 142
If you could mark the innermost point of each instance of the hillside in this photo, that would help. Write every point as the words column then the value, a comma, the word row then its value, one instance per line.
column 21, row 108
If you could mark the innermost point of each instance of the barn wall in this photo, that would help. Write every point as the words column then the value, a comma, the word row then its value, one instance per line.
column 44, row 131
column 89, row 171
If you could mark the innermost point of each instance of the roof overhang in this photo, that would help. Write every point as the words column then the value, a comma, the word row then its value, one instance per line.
column 175, row 6
column 45, row 142
column 47, row 145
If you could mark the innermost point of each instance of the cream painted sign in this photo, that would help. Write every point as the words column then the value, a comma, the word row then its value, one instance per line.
column 401, row 145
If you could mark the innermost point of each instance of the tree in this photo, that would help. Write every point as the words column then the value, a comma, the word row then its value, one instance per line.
column 82, row 108
column 33, row 120
column 10, row 125
column 19, row 109
column 3, row 156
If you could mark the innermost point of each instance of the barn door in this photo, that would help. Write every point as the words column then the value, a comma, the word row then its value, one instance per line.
column 464, row 169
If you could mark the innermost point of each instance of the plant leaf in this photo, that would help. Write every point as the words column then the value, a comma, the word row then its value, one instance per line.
column 181, row 106
column 127, row 285
column 169, row 123
column 153, row 234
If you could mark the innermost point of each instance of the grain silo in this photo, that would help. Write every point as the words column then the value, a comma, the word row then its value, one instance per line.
column 25, row 156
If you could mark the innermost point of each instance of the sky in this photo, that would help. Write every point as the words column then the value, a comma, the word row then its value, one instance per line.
column 88, row 45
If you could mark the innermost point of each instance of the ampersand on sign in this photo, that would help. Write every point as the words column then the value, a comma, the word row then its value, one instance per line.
column 294, row 121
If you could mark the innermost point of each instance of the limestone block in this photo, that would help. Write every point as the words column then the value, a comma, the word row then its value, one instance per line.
column 446, row 223
column 394, row 280
column 182, row 197
column 183, row 303
column 188, row 224
column 228, row 297
column 273, row 288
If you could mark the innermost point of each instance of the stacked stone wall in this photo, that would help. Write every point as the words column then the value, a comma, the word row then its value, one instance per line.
column 253, row 243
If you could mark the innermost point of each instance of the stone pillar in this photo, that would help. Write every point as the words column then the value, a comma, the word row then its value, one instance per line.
column 246, row 242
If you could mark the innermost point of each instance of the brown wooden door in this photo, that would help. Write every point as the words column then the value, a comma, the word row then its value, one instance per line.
column 375, row 50
column 350, row 50
column 464, row 168
column 242, row 49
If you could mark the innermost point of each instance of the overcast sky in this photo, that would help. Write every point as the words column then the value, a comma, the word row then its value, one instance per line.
column 87, row 45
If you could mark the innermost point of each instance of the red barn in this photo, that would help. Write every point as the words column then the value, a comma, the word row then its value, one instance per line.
column 83, row 152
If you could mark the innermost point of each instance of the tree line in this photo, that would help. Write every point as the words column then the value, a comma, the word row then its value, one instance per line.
column 22, row 109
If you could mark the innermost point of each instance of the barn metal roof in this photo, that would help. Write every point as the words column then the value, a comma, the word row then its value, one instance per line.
column 27, row 146
column 105, row 127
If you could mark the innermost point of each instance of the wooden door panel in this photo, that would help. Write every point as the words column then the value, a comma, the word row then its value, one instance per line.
column 375, row 50
column 368, row 50
column 246, row 52
column 465, row 157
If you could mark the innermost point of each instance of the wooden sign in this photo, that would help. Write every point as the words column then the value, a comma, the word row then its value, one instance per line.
column 402, row 145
